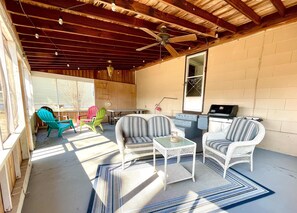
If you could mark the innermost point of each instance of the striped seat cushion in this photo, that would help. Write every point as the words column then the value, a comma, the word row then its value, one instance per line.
column 242, row 130
column 220, row 145
column 134, row 142
column 133, row 126
column 158, row 126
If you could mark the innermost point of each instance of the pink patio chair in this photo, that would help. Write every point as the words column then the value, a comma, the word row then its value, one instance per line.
column 92, row 111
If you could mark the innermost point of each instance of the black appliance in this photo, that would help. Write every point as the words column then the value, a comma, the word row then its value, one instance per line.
column 223, row 111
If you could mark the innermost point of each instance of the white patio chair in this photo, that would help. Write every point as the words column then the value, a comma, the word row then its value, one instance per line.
column 234, row 145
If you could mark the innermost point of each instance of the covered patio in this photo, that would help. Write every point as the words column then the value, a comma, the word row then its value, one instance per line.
column 175, row 58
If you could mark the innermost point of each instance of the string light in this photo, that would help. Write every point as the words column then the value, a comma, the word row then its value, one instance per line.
column 113, row 6
column 60, row 21
column 44, row 33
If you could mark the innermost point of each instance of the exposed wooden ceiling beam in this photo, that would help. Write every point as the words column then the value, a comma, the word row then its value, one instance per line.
column 198, row 12
column 42, row 40
column 86, row 52
column 93, row 12
column 245, row 10
column 142, row 9
column 63, row 56
column 49, row 26
column 44, row 14
column 278, row 4
column 88, row 62
column 83, row 49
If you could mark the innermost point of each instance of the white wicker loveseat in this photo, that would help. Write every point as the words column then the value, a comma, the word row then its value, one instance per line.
column 135, row 132
column 234, row 145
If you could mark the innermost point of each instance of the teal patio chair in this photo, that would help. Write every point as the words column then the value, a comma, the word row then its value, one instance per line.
column 96, row 121
column 48, row 118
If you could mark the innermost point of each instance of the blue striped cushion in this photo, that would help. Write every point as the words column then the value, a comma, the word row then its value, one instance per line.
column 133, row 126
column 142, row 141
column 220, row 145
column 242, row 130
column 158, row 126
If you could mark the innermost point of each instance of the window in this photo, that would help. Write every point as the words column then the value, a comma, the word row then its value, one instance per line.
column 29, row 90
column 86, row 95
column 9, row 114
column 45, row 92
column 194, row 82
column 3, row 107
column 62, row 94
column 67, row 94
column 12, row 91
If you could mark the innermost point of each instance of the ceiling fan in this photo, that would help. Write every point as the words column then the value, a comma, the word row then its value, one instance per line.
column 163, row 38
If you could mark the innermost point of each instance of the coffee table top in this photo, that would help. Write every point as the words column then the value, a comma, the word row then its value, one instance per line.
column 166, row 143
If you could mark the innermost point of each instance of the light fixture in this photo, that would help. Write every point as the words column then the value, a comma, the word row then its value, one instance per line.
column 78, row 68
column 36, row 35
column 110, row 69
column 113, row 6
column 68, row 65
column 60, row 20
column 56, row 53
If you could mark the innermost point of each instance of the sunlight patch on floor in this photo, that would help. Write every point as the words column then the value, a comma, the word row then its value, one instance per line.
column 48, row 152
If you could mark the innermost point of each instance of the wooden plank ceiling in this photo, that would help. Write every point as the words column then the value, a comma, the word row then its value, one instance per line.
column 94, row 31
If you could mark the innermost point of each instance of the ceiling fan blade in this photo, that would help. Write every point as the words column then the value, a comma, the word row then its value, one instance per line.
column 147, row 46
column 190, row 37
column 171, row 50
column 151, row 33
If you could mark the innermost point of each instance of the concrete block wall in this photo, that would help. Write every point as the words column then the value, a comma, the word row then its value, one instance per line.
column 259, row 73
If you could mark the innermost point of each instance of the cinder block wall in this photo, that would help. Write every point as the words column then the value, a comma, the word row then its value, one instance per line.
column 259, row 73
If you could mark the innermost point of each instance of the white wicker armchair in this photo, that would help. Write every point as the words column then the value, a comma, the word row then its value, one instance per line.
column 234, row 145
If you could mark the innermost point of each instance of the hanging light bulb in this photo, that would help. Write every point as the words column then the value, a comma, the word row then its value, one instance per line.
column 36, row 35
column 113, row 6
column 60, row 20
column 78, row 68
column 56, row 53
column 68, row 65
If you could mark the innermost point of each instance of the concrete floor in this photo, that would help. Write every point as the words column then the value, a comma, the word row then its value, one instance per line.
column 63, row 170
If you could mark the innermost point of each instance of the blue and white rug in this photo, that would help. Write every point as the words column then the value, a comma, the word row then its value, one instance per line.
column 139, row 189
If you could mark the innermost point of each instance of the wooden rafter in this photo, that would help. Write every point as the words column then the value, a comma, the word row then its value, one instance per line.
column 142, row 9
column 190, row 8
column 245, row 10
column 278, row 4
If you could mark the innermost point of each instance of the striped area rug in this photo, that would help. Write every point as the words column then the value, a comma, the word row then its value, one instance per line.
column 139, row 189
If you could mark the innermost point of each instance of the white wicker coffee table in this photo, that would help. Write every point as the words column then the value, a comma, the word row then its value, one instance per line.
column 175, row 172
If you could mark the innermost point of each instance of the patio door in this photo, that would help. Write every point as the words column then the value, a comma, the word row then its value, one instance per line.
column 194, row 82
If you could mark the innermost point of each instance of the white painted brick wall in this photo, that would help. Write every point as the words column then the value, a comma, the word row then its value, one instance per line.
column 259, row 73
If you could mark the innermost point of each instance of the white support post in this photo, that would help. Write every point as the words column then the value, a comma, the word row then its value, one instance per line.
column 5, row 189
column 17, row 166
